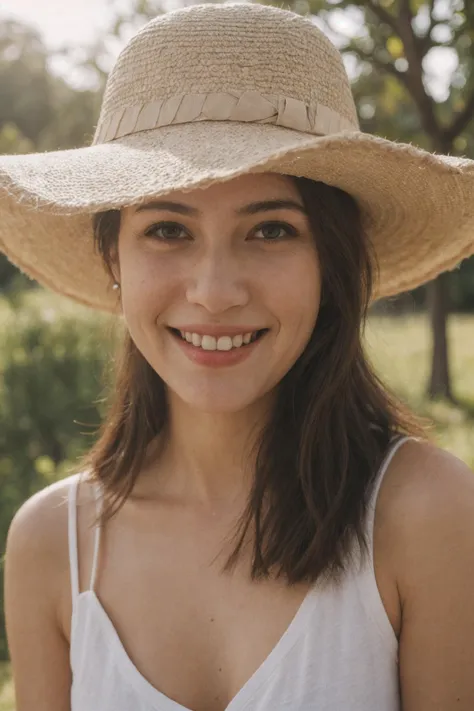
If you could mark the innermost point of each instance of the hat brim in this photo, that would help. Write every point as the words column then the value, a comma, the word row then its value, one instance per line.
column 418, row 207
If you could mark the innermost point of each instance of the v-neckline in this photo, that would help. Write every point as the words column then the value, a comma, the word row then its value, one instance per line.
column 161, row 702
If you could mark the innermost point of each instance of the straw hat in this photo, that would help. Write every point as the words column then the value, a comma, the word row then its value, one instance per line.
column 213, row 91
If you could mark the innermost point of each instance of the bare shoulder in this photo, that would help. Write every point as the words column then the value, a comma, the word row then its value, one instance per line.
column 37, row 528
column 428, row 493
column 429, row 514
column 37, row 584
column 39, row 525
column 37, row 542
column 426, row 483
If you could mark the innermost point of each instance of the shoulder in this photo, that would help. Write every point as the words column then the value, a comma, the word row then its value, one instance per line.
column 36, row 590
column 37, row 552
column 426, row 481
column 429, row 517
column 39, row 520
column 429, row 512
column 42, row 517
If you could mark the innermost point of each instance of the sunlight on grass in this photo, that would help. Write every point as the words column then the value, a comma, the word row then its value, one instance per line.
column 6, row 688
column 399, row 349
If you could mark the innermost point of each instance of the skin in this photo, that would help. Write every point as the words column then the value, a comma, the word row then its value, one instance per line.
column 218, row 270
column 201, row 648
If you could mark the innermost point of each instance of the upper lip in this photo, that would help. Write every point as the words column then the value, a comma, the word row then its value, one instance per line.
column 216, row 330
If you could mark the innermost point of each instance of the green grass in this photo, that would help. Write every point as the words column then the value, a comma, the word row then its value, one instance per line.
column 6, row 688
column 399, row 349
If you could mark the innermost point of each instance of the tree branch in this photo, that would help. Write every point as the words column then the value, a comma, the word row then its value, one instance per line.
column 460, row 121
column 383, row 15
column 383, row 66
column 414, row 56
column 405, row 11
column 413, row 77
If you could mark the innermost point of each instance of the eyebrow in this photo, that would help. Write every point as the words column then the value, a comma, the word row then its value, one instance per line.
column 250, row 209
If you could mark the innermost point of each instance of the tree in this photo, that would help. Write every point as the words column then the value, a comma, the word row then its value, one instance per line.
column 394, row 43
column 38, row 111
column 25, row 89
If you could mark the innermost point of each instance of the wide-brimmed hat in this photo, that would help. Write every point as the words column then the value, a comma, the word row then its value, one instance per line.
column 210, row 92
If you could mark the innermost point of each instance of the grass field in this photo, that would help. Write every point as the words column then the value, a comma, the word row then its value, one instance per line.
column 399, row 349
column 6, row 688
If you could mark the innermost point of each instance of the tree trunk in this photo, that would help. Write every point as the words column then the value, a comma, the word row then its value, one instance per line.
column 438, row 307
column 440, row 382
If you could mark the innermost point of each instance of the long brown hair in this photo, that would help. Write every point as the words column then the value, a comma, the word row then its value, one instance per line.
column 320, row 450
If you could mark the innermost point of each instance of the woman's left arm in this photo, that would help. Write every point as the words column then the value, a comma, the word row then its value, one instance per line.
column 435, row 578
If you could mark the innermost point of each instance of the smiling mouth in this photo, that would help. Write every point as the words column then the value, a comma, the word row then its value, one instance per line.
column 255, row 337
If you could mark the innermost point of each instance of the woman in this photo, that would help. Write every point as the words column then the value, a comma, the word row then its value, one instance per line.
column 235, row 216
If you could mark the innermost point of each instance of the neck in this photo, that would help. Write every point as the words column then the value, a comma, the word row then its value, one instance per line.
column 207, row 458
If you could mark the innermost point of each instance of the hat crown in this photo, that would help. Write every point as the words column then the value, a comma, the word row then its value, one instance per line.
column 220, row 49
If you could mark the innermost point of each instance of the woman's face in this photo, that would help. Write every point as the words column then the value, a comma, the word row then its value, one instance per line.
column 220, row 260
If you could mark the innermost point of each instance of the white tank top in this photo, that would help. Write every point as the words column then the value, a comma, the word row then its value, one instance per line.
column 339, row 651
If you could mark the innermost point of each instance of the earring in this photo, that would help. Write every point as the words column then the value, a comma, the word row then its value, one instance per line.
column 116, row 286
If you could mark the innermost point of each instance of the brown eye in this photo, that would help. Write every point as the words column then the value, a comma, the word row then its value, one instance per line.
column 276, row 231
column 165, row 231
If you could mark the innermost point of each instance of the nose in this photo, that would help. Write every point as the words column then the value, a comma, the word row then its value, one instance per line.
column 216, row 281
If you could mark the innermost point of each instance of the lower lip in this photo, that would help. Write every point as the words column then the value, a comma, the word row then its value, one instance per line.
column 216, row 359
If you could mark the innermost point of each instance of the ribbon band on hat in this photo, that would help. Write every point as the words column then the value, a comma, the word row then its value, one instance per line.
column 247, row 106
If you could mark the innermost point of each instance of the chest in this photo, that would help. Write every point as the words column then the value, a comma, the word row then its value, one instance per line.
column 321, row 663
column 196, row 634
column 190, row 635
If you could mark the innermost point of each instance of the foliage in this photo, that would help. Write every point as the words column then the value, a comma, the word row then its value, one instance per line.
column 25, row 86
column 38, row 111
column 51, row 366
column 462, row 287
column 46, row 112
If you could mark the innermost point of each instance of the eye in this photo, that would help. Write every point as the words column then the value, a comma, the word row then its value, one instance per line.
column 172, row 231
column 164, row 231
column 272, row 231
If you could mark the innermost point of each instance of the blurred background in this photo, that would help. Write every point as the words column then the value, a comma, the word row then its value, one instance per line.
column 411, row 64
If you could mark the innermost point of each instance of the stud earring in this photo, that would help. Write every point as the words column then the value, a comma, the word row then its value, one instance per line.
column 116, row 286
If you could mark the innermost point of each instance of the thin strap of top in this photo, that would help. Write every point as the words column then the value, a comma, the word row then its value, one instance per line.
column 98, row 530
column 395, row 444
column 72, row 537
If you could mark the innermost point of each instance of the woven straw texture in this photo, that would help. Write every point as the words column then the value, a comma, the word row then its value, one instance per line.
column 208, row 93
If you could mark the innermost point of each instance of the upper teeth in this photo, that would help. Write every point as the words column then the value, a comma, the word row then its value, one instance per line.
column 223, row 343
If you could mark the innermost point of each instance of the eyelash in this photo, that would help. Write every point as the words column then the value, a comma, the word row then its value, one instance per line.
column 290, row 231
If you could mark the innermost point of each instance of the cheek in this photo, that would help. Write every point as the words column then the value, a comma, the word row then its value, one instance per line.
column 298, row 294
column 286, row 287
column 146, row 284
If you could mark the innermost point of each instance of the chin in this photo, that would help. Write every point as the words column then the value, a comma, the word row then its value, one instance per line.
column 222, row 404
column 214, row 398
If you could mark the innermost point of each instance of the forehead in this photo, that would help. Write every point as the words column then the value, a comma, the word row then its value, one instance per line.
column 234, row 192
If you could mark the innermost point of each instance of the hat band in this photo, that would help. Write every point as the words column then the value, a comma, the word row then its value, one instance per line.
column 249, row 106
